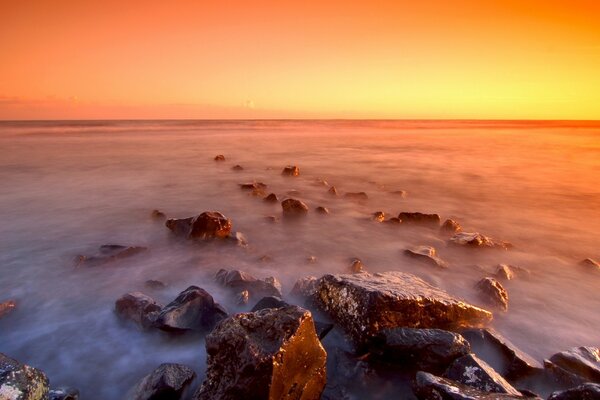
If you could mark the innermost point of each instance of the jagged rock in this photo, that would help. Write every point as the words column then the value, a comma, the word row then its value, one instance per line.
column 426, row 254
column 269, row 302
column 587, row 391
column 428, row 349
column 575, row 366
column 501, row 354
column 419, row 218
column 356, row 266
column 293, row 208
column 193, row 309
column 242, row 298
column 290, row 170
column 63, row 394
column 272, row 198
column 363, row 304
column 155, row 284
column 332, row 191
column 477, row 240
column 6, row 307
column 208, row 225
column 219, row 157
column 167, row 382
column 356, row 195
column 472, row 371
column 253, row 186
column 237, row 167
column 431, row 387
column 239, row 280
column 510, row 272
column 378, row 216
column 322, row 210
column 268, row 354
column 139, row 308
column 108, row 253
column 157, row 214
column 450, row 226
column 21, row 382
column 591, row 264
column 305, row 288
column 493, row 292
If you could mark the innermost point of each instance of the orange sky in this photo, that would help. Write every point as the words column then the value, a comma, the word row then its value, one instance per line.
column 532, row 59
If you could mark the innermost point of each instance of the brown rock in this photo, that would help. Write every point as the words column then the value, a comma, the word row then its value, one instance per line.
column 393, row 220
column 139, row 308
column 419, row 218
column 271, row 198
column 253, row 186
column 322, row 210
column 450, row 226
column 472, row 371
column 219, row 157
column 356, row 266
column 108, row 253
column 477, row 240
column 159, row 215
column 6, row 307
column 581, row 364
column 239, row 280
column 591, row 264
column 208, row 225
column 426, row 254
column 493, row 292
column 293, row 208
column 21, row 382
column 356, row 195
column 305, row 288
column 237, row 168
column 155, row 284
column 510, row 272
column 332, row 191
column 378, row 216
column 291, row 170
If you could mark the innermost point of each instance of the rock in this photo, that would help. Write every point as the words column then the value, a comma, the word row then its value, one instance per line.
column 363, row 304
column 274, row 282
column 419, row 218
column 293, row 192
column 208, row 225
column 269, row 302
column 321, row 182
column 582, row 362
column 21, row 382
column 322, row 329
column 347, row 373
column 393, row 220
column 290, row 170
column 332, row 191
column 428, row 349
column 219, row 157
column 322, row 210
column 501, row 354
column 356, row 195
column 108, row 253
column 356, row 266
column 271, row 219
column 293, row 208
column 193, row 309
column 266, row 259
column 305, row 288
column 591, row 264
column 154, row 284
column 238, row 239
column 138, row 308
column 426, row 254
column 159, row 215
column 471, row 370
column 378, row 216
column 493, row 292
column 587, row 391
column 252, row 186
column 6, row 307
column 510, row 272
column 167, row 382
column 400, row 193
column 478, row 240
column 240, row 280
column 271, row 354
column 450, row 226
column 431, row 387
column 311, row 260
column 237, row 167
column 63, row 394
column 242, row 298
column 271, row 198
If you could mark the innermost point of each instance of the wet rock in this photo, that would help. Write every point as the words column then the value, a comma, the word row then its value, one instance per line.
column 167, row 382
column 323, row 329
column 426, row 254
column 21, row 382
column 208, row 225
column 271, row 198
column 269, row 302
column 290, row 170
column 240, row 280
column 471, row 370
column 450, row 226
column 63, row 394
column 242, row 298
column 431, row 387
column 419, row 218
column 219, row 157
column 7, row 307
column 576, row 365
column 155, row 284
column 193, row 309
column 322, row 210
column 253, row 186
column 477, row 240
column 332, row 191
column 305, row 288
column 108, row 253
column 363, row 304
column 378, row 216
column 493, row 293
column 271, row 353
column 428, row 349
column 293, row 208
column 158, row 215
column 591, row 264
column 501, row 354
column 356, row 196
column 237, row 167
column 587, row 391
column 138, row 308
column 357, row 266
column 510, row 272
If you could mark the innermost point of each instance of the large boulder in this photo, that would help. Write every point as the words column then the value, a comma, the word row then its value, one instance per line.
column 427, row 255
column 587, row 391
column 268, row 354
column 293, row 208
column 363, row 304
column 139, row 308
column 6, row 307
column 493, row 293
column 167, row 382
column 419, row 218
column 472, row 371
column 576, row 365
column 477, row 240
column 108, row 253
column 208, row 225
column 193, row 309
column 239, row 281
column 21, row 382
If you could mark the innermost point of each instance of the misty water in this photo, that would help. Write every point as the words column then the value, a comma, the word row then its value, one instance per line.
column 67, row 188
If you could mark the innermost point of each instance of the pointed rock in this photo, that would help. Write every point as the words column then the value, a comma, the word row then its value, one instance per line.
column 471, row 370
column 493, row 292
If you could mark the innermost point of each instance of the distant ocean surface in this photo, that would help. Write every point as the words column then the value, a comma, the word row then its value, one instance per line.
column 68, row 187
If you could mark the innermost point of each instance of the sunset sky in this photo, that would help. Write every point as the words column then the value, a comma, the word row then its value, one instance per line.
column 511, row 59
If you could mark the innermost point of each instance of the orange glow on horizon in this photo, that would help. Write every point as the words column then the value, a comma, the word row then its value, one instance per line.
column 511, row 59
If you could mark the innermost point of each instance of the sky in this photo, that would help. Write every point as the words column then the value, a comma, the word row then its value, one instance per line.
column 463, row 59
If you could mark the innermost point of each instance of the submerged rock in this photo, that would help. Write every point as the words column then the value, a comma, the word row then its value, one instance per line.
column 591, row 264
column 63, row 394
column 356, row 195
column 159, row 215
column 290, row 170
column 322, row 210
column 576, row 365
column 363, row 304
column 472, row 371
column 7, row 307
column 419, row 218
column 510, row 272
column 167, row 382
column 332, row 191
column 21, row 382
column 426, row 254
column 477, row 240
column 450, row 226
column 293, row 208
column 208, row 225
column 252, row 186
column 271, row 198
column 587, row 391
column 138, row 308
column 193, row 309
column 237, row 167
column 108, row 253
column 219, row 157
column 239, row 280
column 493, row 292
column 155, row 284
column 268, row 354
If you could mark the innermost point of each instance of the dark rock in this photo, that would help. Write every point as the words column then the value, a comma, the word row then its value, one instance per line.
column 63, row 394
column 157, row 214
column 583, row 362
column 393, row 220
column 431, row 387
column 167, row 382
column 428, row 349
column 472, row 371
column 272, row 198
column 269, row 302
column 237, row 167
column 193, row 309
column 138, row 308
column 305, row 288
column 587, row 391
column 493, row 293
column 356, row 266
column 356, row 195
column 591, row 264
column 323, row 328
column 219, row 157
column 419, row 218
column 347, row 374
column 271, row 354
column 363, row 304
column 477, row 240
column 450, row 226
column 253, row 186
column 332, row 191
column 322, row 210
column 108, row 253
column 510, row 272
column 426, row 254
column 378, row 216
column 21, row 382
column 291, row 170
column 6, row 307
column 293, row 208
column 208, row 225
column 155, row 284
column 239, row 281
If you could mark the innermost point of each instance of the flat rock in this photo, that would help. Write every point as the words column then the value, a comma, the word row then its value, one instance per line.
column 450, row 226
column 108, row 253
column 419, row 218
column 472, row 371
column 293, row 208
column 428, row 349
column 477, row 240
column 193, row 309
column 6, row 307
column 363, row 304
column 21, row 382
column 583, row 362
column 237, row 281
column 139, row 308
column 587, row 391
column 493, row 293
column 427, row 255
column 208, row 225
column 268, row 354
column 290, row 170
column 356, row 195
column 167, row 382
